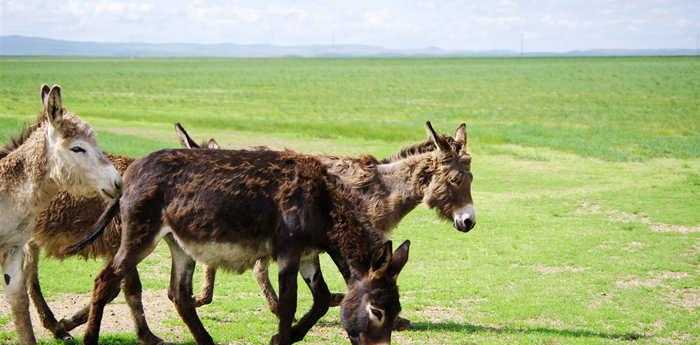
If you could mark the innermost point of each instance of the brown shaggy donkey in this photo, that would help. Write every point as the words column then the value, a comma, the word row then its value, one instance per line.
column 69, row 219
column 58, row 152
column 392, row 188
column 231, row 208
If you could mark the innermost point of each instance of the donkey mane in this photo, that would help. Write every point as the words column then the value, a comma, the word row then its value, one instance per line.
column 422, row 147
column 362, row 171
column 19, row 139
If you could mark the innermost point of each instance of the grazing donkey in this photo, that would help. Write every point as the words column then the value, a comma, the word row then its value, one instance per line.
column 231, row 208
column 58, row 152
column 67, row 220
column 392, row 188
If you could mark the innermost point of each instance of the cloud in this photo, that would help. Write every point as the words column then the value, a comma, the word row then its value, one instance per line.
column 452, row 24
column 377, row 18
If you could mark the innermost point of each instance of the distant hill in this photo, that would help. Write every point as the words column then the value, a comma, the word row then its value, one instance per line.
column 36, row 46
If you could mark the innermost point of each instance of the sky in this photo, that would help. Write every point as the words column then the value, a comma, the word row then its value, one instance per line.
column 455, row 25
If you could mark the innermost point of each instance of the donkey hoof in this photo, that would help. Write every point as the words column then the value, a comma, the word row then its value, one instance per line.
column 401, row 324
column 151, row 340
column 66, row 338
column 275, row 340
column 61, row 334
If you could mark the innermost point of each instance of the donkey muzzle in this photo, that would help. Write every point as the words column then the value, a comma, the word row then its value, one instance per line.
column 114, row 191
column 464, row 225
column 465, row 218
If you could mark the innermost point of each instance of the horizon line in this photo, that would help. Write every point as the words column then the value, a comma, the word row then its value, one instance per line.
column 447, row 51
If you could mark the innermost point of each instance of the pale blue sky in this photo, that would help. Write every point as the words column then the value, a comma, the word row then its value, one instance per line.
column 464, row 25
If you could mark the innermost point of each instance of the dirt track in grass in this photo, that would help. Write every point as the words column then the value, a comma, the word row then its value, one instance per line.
column 117, row 317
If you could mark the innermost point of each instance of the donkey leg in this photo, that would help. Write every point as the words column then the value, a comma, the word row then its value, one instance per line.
column 337, row 298
column 288, row 268
column 181, row 292
column 105, row 290
column 207, row 294
column 81, row 316
column 262, row 276
column 45, row 314
column 16, row 293
column 132, row 294
column 311, row 272
column 130, row 253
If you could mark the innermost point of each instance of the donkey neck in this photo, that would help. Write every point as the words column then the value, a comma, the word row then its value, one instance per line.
column 404, row 182
column 24, row 173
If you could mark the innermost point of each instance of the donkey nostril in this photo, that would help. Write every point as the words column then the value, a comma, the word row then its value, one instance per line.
column 469, row 224
column 118, row 185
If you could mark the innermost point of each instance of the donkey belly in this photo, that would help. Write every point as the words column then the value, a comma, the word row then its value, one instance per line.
column 235, row 257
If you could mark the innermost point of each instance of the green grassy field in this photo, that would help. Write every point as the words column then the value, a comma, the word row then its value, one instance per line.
column 587, row 185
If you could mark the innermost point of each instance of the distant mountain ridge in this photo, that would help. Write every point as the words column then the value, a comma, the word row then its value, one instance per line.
column 36, row 46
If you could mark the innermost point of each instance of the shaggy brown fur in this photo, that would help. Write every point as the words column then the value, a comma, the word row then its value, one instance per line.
column 231, row 208
column 64, row 222
column 422, row 173
column 67, row 218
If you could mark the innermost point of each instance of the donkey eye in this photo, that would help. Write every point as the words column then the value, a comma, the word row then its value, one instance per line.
column 456, row 179
column 77, row 149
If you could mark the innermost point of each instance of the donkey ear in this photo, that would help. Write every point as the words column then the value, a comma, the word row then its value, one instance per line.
column 461, row 136
column 54, row 104
column 185, row 139
column 44, row 92
column 399, row 259
column 437, row 139
column 381, row 259
column 212, row 144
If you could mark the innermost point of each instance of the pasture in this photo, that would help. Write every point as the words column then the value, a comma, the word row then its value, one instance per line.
column 587, row 186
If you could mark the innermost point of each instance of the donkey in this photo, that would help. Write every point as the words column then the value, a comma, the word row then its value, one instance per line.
column 65, row 221
column 230, row 208
column 57, row 152
column 436, row 172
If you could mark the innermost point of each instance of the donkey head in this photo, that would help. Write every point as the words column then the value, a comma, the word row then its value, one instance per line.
column 449, row 190
column 371, row 304
column 186, row 140
column 74, row 160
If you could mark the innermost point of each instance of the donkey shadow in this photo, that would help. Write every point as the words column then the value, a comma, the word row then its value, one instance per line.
column 111, row 340
column 423, row 326
column 471, row 328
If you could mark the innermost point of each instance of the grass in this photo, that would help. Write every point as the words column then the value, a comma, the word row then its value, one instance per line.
column 561, row 148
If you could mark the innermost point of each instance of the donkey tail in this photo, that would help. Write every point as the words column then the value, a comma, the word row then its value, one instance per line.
column 99, row 227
